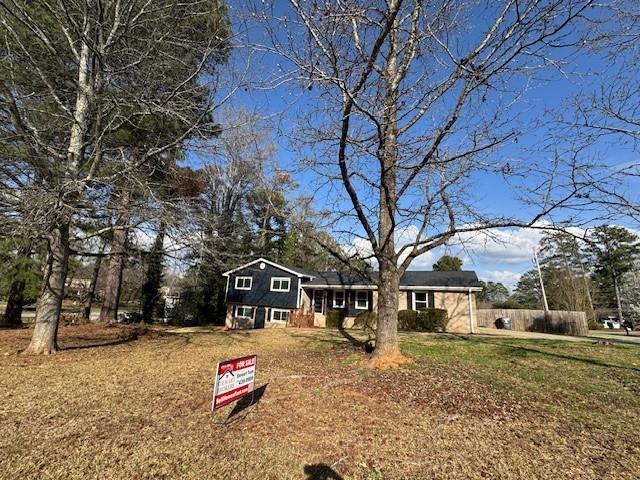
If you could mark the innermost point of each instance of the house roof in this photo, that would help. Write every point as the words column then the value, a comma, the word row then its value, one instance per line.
column 410, row 279
column 300, row 272
column 340, row 279
column 466, row 278
column 463, row 279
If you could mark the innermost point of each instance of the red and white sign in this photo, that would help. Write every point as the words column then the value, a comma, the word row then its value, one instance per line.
column 234, row 379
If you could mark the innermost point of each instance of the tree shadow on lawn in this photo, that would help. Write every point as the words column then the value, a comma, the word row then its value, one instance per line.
column 214, row 338
column 130, row 337
column 321, row 471
column 518, row 349
column 365, row 345
column 589, row 361
column 334, row 341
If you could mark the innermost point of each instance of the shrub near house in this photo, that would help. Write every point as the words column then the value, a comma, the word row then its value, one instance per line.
column 423, row 320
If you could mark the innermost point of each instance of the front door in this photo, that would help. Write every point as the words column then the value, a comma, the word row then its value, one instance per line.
column 318, row 301
column 260, row 314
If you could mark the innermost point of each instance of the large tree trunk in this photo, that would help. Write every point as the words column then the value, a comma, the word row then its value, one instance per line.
column 49, row 305
column 91, row 293
column 386, row 353
column 113, row 283
column 44, row 339
column 617, row 292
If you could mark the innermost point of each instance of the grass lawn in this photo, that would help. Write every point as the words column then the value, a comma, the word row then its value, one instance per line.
column 467, row 408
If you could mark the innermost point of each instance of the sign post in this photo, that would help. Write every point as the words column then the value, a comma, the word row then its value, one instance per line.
column 235, row 378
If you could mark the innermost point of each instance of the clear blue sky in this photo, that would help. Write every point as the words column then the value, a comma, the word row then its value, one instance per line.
column 494, row 261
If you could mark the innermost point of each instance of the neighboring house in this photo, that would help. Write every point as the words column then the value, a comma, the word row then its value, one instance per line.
column 262, row 294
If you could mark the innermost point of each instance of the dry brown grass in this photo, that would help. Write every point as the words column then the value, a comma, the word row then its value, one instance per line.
column 137, row 407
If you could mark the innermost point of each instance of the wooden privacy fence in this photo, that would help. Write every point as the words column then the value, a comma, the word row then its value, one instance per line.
column 554, row 321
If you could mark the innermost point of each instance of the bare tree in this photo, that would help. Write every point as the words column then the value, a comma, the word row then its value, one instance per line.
column 77, row 78
column 605, row 114
column 414, row 101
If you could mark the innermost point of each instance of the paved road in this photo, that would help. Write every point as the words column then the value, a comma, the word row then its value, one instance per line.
column 594, row 336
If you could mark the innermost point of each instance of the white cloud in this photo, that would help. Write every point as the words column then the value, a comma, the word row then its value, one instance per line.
column 499, row 255
column 506, row 247
column 425, row 261
column 508, row 278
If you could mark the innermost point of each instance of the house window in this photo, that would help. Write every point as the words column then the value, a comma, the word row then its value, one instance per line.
column 279, row 315
column 244, row 312
column 280, row 284
column 338, row 299
column 244, row 283
column 318, row 301
column 420, row 300
column 362, row 300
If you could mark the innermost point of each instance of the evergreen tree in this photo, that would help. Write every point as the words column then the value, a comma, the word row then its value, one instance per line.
column 493, row 292
column 76, row 76
column 448, row 263
column 614, row 252
column 564, row 273
column 528, row 293
column 20, row 280
column 153, row 280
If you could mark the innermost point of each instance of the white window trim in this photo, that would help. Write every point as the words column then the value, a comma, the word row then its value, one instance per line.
column 244, row 278
column 288, row 279
column 278, row 310
column 413, row 296
column 253, row 310
column 366, row 307
column 344, row 299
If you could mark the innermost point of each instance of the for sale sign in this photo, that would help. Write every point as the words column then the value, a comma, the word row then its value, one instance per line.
column 234, row 379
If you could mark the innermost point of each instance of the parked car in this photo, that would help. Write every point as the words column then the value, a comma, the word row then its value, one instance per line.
column 129, row 317
column 609, row 322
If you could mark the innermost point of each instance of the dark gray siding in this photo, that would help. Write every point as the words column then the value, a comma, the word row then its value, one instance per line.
column 260, row 293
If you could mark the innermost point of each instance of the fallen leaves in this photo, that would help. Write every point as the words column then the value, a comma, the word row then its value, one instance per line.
column 117, row 402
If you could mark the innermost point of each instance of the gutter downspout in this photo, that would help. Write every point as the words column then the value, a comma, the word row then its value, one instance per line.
column 471, row 323
column 226, row 290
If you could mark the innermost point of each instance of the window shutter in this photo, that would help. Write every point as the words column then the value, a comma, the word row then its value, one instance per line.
column 432, row 300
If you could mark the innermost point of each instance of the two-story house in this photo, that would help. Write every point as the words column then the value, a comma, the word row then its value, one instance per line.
column 262, row 294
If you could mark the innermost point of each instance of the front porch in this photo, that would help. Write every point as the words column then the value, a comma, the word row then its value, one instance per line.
column 319, row 301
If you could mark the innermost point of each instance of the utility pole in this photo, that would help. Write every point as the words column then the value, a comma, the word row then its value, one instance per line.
column 544, row 295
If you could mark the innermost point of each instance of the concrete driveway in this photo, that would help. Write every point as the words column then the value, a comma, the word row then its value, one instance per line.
column 594, row 335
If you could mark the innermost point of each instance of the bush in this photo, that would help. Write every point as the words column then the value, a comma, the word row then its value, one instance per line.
column 335, row 318
column 407, row 320
column 594, row 325
column 367, row 321
column 423, row 320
